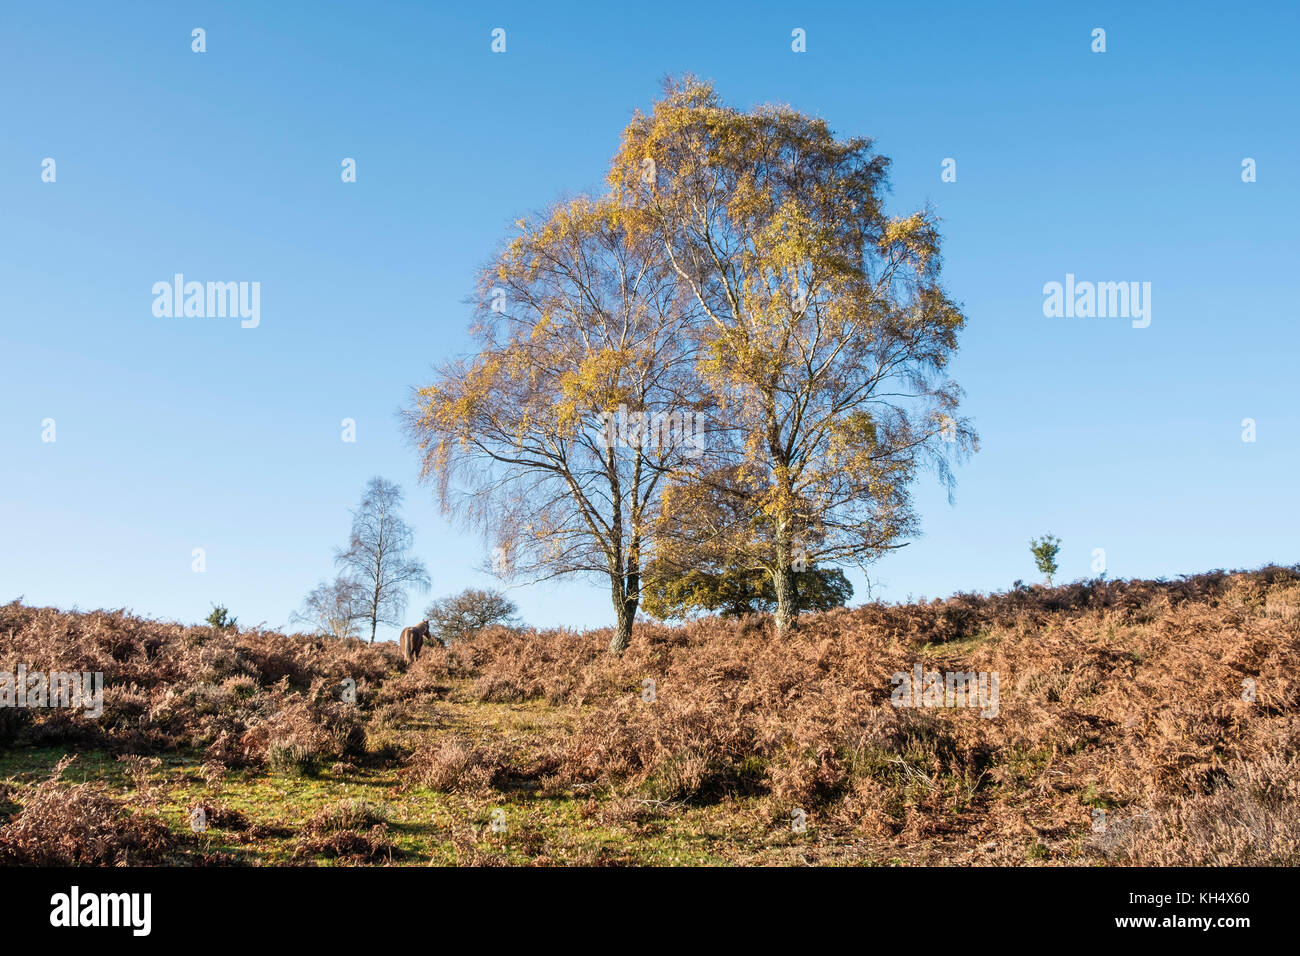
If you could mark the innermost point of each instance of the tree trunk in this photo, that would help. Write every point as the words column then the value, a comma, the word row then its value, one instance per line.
column 783, row 584
column 627, row 595
column 786, row 595
column 623, row 632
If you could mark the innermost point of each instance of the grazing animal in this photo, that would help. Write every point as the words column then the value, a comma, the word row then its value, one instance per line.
column 413, row 640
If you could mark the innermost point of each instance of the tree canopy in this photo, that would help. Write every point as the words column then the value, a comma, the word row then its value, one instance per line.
column 460, row 616
column 377, row 559
column 579, row 323
column 732, row 592
column 781, row 342
column 824, row 338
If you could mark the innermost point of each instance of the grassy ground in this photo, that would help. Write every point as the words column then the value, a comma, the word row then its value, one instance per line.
column 428, row 827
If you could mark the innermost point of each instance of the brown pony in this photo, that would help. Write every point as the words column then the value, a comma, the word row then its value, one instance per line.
column 412, row 641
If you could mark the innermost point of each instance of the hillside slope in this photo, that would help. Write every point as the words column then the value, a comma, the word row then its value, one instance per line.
column 1121, row 722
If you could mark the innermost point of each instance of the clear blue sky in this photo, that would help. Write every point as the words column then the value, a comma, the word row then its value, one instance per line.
column 174, row 434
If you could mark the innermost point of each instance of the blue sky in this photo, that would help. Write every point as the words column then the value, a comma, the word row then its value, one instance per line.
column 174, row 434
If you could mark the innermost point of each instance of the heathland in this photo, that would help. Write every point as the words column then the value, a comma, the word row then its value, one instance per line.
column 1135, row 722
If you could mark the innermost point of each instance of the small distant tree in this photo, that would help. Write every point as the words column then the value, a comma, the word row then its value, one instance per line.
column 736, row 591
column 334, row 608
column 378, row 555
column 220, row 617
column 459, row 616
column 1044, row 550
